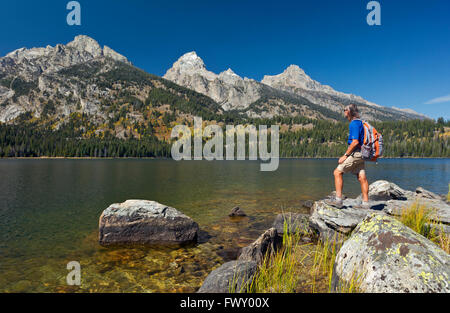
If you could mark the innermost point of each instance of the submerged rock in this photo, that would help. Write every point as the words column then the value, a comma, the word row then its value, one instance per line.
column 383, row 255
column 229, row 254
column 295, row 222
column 145, row 222
column 237, row 211
column 268, row 242
column 233, row 276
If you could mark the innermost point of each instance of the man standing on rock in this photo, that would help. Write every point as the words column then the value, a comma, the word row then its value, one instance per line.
column 352, row 161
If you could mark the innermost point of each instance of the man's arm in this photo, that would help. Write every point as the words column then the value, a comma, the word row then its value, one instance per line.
column 350, row 149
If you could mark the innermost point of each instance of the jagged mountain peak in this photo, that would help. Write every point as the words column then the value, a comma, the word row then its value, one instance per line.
column 294, row 69
column 229, row 71
column 81, row 49
column 230, row 77
column 232, row 92
column 227, row 88
column 293, row 76
column 190, row 60
column 85, row 43
column 24, row 71
column 189, row 64
column 192, row 55
column 26, row 74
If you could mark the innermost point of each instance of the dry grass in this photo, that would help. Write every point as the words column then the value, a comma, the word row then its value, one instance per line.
column 324, row 265
column 448, row 195
column 423, row 220
column 279, row 271
column 298, row 267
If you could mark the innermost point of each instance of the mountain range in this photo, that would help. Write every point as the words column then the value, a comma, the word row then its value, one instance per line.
column 292, row 92
column 81, row 77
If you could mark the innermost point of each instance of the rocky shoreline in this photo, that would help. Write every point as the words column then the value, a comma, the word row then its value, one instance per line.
column 384, row 254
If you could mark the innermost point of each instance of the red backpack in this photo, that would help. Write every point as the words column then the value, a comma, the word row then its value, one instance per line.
column 372, row 147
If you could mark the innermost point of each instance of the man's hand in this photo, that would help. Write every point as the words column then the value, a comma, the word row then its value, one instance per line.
column 342, row 159
column 350, row 148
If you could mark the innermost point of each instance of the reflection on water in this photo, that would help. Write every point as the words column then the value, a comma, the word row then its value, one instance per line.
column 49, row 212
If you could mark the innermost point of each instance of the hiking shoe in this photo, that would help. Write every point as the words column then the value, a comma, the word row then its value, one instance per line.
column 336, row 202
column 365, row 205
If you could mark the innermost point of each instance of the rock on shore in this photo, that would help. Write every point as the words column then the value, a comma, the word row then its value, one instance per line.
column 268, row 242
column 332, row 223
column 386, row 197
column 383, row 255
column 145, row 222
column 295, row 222
column 233, row 276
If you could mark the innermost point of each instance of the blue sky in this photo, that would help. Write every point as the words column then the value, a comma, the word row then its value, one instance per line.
column 405, row 62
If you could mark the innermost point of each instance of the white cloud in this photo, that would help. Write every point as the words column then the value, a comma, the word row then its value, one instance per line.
column 439, row 100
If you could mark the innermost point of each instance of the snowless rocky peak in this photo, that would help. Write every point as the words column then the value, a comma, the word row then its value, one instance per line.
column 190, row 61
column 189, row 64
column 81, row 49
column 294, row 70
column 294, row 76
column 229, row 72
column 85, row 43
column 233, row 92
column 229, row 76
column 227, row 88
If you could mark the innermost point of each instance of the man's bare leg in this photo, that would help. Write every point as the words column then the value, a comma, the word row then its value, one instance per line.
column 364, row 185
column 338, row 182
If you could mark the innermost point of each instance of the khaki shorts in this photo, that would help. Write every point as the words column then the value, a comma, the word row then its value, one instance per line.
column 353, row 164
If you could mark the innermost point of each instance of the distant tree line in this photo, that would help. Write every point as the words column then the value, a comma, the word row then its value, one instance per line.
column 31, row 140
column 30, row 137
column 416, row 138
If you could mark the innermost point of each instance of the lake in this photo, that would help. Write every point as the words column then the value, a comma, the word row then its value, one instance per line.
column 49, row 211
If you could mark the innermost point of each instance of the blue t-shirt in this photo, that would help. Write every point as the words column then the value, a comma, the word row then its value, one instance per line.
column 356, row 132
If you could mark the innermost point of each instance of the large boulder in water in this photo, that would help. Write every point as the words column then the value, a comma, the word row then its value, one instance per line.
column 383, row 255
column 233, row 276
column 145, row 222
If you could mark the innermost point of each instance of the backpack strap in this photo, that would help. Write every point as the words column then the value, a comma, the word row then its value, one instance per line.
column 366, row 133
